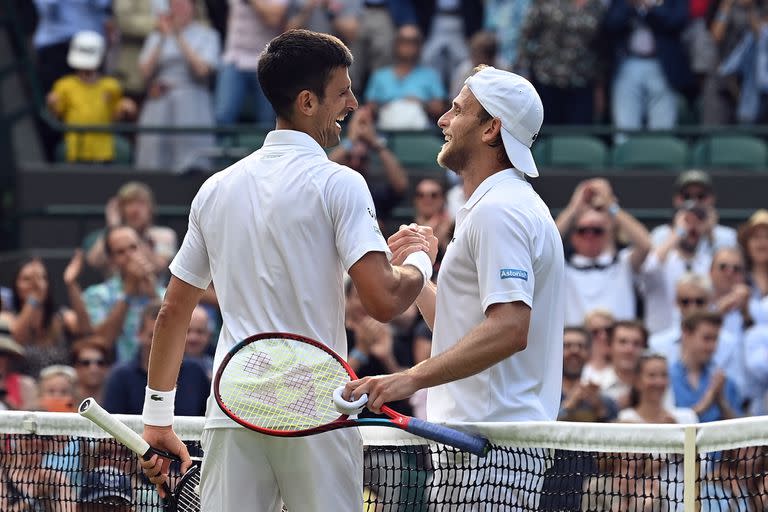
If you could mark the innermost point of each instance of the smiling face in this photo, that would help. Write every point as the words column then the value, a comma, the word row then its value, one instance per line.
column 591, row 234
column 32, row 279
column 627, row 345
column 337, row 102
column 652, row 378
column 727, row 270
column 462, row 129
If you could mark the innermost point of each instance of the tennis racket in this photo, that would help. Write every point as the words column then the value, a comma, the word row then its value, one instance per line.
column 185, row 496
column 284, row 384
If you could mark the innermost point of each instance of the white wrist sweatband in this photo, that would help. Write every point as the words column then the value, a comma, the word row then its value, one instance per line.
column 421, row 261
column 158, row 407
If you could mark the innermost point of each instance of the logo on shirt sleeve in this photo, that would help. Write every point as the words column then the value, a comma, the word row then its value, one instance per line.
column 513, row 273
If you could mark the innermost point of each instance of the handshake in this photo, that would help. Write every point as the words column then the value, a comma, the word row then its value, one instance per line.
column 407, row 244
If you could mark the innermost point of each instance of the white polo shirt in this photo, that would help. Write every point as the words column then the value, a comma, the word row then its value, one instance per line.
column 276, row 231
column 506, row 249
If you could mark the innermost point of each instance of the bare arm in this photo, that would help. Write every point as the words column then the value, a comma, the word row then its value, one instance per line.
column 638, row 237
column 426, row 303
column 112, row 326
column 271, row 14
column 75, row 294
column 200, row 68
column 396, row 175
column 148, row 66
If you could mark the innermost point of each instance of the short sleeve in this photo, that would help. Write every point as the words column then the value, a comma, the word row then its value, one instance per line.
column 60, row 89
column 191, row 263
column 502, row 250
column 353, row 216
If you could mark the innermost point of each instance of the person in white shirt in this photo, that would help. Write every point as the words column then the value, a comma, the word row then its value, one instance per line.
column 276, row 232
column 497, row 309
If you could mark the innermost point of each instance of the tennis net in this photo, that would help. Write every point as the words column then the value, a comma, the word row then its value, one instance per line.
column 49, row 461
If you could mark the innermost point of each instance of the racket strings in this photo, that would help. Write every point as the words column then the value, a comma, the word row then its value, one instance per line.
column 188, row 493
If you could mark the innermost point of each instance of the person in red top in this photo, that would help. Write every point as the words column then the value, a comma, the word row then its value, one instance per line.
column 17, row 391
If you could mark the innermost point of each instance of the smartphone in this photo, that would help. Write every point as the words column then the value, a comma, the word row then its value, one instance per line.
column 160, row 7
column 693, row 207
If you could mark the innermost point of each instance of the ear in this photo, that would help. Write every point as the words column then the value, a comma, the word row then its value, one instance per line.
column 492, row 131
column 306, row 103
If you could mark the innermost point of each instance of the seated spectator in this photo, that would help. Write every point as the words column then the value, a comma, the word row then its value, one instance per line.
column 406, row 95
column 599, row 325
column 597, row 274
column 731, row 293
column 696, row 381
column 42, row 328
column 104, row 489
column 753, row 238
column 338, row 17
column 124, row 391
column 646, row 400
column 57, row 388
column 17, row 391
column 91, row 361
column 115, row 305
column 430, row 207
column 88, row 98
column 483, row 49
column 177, row 61
column 199, row 339
column 365, row 151
column 560, row 55
column 581, row 400
column 629, row 339
column 134, row 206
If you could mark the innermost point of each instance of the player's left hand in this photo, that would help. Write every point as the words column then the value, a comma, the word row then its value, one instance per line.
column 381, row 389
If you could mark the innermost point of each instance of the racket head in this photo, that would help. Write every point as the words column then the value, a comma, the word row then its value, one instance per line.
column 282, row 384
column 186, row 495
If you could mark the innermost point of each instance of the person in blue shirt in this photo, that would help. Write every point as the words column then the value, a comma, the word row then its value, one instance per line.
column 124, row 391
column 696, row 381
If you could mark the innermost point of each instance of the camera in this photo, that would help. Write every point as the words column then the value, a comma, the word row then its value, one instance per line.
column 695, row 208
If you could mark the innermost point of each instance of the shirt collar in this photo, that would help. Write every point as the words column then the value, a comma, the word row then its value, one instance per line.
column 293, row 138
column 489, row 182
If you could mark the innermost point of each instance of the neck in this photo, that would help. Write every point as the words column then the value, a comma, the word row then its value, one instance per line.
column 649, row 408
column 473, row 179
column 760, row 276
column 598, row 362
column 625, row 376
column 569, row 383
column 693, row 366
column 86, row 391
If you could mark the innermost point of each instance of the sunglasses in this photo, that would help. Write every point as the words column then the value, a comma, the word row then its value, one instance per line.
column 736, row 269
column 590, row 230
column 600, row 330
column 687, row 301
column 91, row 362
column 695, row 197
column 432, row 195
column 574, row 346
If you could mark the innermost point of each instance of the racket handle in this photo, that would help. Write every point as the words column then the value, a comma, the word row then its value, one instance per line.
column 473, row 444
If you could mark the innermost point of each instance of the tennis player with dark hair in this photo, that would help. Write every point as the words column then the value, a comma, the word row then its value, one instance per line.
column 497, row 311
column 275, row 232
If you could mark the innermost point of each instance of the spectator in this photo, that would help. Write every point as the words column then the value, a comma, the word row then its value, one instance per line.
column 88, row 98
column 753, row 238
column 115, row 305
column 430, row 207
column 17, row 391
column 650, row 61
column 91, row 361
column 559, row 53
column 177, row 61
column 731, row 293
column 599, row 324
column 696, row 381
column 483, row 49
column 646, row 401
column 199, row 339
column 406, row 95
column 251, row 25
column 124, row 391
column 338, row 17
column 505, row 19
column 756, row 346
column 57, row 388
column 134, row 206
column 581, row 400
column 629, row 339
column 36, row 322
column 359, row 151
column 106, row 488
column 597, row 274
column 134, row 20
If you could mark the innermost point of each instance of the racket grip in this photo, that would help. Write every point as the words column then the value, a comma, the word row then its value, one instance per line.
column 473, row 444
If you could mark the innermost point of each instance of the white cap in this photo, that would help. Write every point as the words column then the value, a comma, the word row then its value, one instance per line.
column 516, row 103
column 86, row 50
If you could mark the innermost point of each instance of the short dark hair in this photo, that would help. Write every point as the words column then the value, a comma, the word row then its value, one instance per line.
column 299, row 60
column 694, row 320
column 108, row 233
column 630, row 324
column 578, row 329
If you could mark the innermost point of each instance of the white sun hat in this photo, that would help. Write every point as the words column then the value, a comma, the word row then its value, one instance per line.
column 86, row 50
column 516, row 103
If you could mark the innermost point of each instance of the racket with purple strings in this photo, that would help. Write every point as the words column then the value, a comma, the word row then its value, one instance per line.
column 288, row 385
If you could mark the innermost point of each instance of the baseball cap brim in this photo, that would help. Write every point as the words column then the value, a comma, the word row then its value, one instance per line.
column 81, row 60
column 519, row 154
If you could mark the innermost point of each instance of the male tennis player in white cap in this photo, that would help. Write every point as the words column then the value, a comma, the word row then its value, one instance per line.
column 497, row 311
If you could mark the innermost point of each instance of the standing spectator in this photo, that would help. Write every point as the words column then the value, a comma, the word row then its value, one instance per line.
column 581, row 400
column 127, row 381
column 505, row 19
column 363, row 150
column 88, row 98
column 91, row 361
column 134, row 20
column 338, row 17
column 650, row 61
column 599, row 325
column 559, row 52
column 134, row 205
column 598, row 275
column 629, row 339
column 429, row 204
column 177, row 61
column 17, row 391
column 199, row 339
column 251, row 25
column 57, row 388
column 753, row 238
column 115, row 305
column 406, row 95
column 483, row 49
column 696, row 381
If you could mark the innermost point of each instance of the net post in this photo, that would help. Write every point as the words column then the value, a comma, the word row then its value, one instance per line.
column 690, row 469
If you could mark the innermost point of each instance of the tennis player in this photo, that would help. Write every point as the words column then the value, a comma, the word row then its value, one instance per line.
column 497, row 311
column 275, row 232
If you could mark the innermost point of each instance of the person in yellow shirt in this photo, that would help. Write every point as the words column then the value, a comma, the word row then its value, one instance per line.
column 88, row 98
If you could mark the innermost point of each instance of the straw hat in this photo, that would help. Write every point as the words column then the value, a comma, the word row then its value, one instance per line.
column 7, row 345
column 759, row 218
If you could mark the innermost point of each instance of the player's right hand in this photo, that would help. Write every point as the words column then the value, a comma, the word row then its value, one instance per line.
column 407, row 240
column 156, row 468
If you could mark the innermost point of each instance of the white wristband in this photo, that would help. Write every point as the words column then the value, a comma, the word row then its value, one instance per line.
column 158, row 407
column 421, row 261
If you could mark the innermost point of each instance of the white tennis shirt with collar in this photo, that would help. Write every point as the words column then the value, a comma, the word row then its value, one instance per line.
column 276, row 231
column 506, row 249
